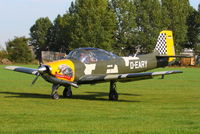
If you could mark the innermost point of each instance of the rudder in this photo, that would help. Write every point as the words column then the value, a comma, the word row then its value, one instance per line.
column 165, row 44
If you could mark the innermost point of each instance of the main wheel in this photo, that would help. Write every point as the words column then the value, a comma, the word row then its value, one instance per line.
column 113, row 96
column 55, row 96
column 67, row 92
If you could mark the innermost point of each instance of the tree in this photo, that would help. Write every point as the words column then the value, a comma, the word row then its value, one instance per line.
column 92, row 24
column 149, row 23
column 175, row 18
column 58, row 35
column 18, row 50
column 125, row 13
column 38, row 33
column 193, row 23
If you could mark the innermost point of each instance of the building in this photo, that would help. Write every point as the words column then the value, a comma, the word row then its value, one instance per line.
column 190, row 61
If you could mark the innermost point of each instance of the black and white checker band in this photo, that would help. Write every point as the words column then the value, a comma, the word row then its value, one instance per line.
column 161, row 45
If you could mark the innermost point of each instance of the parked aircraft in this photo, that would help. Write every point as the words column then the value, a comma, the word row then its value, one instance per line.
column 93, row 65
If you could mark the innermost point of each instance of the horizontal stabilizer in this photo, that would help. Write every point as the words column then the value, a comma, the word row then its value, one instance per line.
column 173, row 56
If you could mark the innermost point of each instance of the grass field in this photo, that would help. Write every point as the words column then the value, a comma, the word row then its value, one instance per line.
column 169, row 106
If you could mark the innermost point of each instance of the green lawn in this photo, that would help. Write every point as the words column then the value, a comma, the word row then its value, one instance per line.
column 156, row 106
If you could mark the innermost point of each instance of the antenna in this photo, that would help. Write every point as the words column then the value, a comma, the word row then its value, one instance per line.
column 138, row 51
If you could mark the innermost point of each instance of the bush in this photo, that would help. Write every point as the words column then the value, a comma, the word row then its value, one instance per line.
column 18, row 50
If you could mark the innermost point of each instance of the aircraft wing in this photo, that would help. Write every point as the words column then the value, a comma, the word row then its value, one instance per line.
column 125, row 77
column 22, row 69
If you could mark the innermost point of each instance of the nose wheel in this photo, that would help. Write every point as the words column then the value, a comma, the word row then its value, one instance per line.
column 113, row 95
column 67, row 92
column 55, row 96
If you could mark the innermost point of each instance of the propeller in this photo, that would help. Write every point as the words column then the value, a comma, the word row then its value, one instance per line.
column 35, row 79
column 42, row 69
column 45, row 69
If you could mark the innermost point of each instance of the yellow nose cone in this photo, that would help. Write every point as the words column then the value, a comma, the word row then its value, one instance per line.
column 63, row 69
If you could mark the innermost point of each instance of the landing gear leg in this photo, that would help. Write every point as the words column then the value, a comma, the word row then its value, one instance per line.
column 54, row 94
column 67, row 92
column 113, row 95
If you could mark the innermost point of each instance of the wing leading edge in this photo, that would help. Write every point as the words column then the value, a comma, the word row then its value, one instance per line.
column 125, row 77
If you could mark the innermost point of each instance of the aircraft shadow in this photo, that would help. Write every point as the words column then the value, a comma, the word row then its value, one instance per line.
column 89, row 96
column 25, row 95
column 98, row 95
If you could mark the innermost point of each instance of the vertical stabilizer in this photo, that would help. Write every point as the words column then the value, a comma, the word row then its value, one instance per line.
column 165, row 44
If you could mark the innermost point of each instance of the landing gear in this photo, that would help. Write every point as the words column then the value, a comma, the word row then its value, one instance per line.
column 113, row 95
column 163, row 76
column 54, row 94
column 67, row 92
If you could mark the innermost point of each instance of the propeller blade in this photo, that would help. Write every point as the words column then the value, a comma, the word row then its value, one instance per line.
column 35, row 79
column 40, row 71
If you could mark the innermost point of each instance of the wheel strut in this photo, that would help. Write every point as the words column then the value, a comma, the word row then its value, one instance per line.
column 113, row 95
column 67, row 92
column 54, row 93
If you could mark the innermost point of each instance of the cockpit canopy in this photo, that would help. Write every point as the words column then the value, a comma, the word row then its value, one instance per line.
column 91, row 55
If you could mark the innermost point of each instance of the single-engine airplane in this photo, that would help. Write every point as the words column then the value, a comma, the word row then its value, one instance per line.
column 93, row 65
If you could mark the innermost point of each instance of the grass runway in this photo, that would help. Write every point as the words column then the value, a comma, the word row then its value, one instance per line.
column 156, row 106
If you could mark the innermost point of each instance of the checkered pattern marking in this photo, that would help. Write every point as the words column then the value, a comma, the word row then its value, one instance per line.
column 161, row 45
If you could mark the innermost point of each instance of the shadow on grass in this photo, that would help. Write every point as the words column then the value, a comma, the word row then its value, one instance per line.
column 24, row 95
column 99, row 95
column 89, row 96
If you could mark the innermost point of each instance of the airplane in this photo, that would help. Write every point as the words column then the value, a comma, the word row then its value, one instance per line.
column 94, row 65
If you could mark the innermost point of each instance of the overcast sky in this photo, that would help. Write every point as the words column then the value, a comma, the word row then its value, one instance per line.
column 17, row 16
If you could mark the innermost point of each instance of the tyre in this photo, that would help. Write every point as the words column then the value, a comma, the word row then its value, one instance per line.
column 55, row 96
column 67, row 92
column 113, row 96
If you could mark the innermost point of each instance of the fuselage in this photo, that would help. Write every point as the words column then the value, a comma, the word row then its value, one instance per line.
column 120, row 65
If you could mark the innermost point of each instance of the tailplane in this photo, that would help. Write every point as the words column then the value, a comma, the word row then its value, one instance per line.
column 165, row 45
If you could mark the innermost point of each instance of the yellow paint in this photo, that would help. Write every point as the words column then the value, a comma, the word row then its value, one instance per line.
column 55, row 68
column 170, row 44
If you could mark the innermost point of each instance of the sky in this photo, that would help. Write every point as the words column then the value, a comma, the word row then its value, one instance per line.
column 17, row 16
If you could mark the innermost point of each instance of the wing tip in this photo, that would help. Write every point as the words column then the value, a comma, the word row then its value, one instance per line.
column 176, row 71
column 10, row 67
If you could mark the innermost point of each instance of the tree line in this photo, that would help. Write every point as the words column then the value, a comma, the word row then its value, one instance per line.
column 119, row 26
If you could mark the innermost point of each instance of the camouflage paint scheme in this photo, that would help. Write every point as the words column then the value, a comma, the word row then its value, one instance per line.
column 99, row 70
column 73, row 71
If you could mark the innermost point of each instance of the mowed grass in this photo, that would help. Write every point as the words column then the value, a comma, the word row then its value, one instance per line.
column 156, row 106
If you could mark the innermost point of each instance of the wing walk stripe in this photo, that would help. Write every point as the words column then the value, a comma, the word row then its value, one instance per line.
column 145, row 75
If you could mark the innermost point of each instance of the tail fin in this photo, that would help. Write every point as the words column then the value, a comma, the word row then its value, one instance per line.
column 165, row 44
